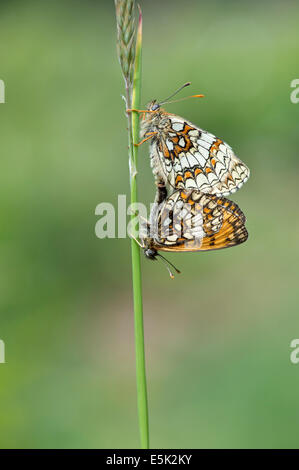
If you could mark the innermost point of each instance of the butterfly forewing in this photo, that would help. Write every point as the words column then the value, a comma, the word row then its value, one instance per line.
column 185, row 156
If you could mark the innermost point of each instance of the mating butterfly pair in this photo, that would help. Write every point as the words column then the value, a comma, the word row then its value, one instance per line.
column 200, row 169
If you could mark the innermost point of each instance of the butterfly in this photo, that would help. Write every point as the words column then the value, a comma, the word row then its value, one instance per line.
column 188, row 157
column 189, row 221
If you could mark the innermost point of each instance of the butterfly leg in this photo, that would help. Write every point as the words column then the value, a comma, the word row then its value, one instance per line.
column 143, row 223
column 130, row 110
column 135, row 239
column 149, row 136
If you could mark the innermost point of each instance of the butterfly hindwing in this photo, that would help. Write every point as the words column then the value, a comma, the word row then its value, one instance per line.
column 195, row 221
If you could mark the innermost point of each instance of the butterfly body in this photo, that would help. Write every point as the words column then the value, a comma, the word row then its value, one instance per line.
column 184, row 156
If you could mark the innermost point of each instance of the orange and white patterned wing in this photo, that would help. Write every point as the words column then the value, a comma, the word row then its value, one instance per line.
column 191, row 158
column 194, row 221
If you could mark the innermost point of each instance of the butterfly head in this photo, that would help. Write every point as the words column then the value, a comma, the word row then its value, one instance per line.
column 152, row 117
column 149, row 250
column 150, row 253
column 153, row 106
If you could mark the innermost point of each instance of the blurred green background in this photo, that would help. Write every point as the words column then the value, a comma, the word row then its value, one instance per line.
column 218, row 336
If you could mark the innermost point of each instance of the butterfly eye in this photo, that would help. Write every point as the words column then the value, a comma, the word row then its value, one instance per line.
column 149, row 253
column 155, row 107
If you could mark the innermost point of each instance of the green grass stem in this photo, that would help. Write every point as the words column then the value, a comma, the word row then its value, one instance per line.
column 124, row 13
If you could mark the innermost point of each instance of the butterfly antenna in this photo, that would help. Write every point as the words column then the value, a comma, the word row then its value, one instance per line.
column 186, row 98
column 166, row 263
column 168, row 269
column 175, row 93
